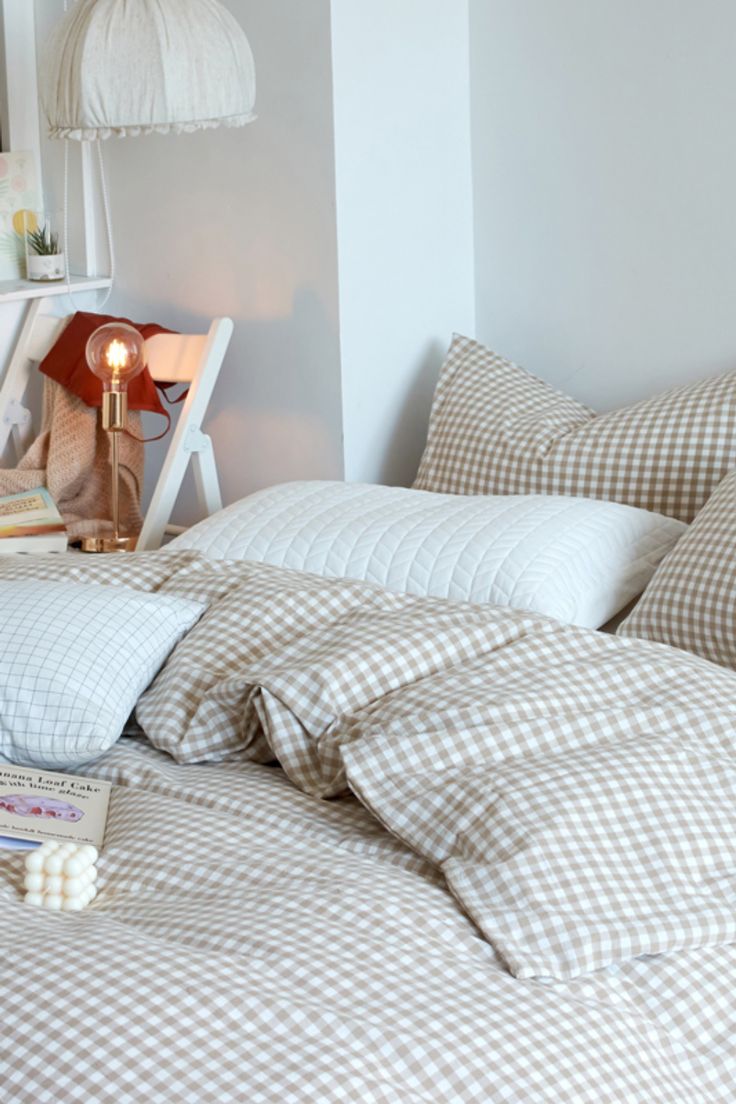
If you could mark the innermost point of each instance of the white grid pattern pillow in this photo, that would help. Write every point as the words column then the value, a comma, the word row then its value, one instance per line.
column 74, row 659
column 691, row 599
column 496, row 429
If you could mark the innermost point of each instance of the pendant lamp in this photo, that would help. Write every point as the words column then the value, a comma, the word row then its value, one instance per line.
column 120, row 68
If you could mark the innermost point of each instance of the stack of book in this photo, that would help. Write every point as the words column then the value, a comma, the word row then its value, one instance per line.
column 31, row 522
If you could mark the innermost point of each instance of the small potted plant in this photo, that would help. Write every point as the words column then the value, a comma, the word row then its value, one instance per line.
column 44, row 256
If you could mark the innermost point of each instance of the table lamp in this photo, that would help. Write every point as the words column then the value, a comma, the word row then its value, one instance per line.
column 115, row 354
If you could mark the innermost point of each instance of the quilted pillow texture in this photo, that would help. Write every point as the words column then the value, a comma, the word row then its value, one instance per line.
column 691, row 600
column 577, row 560
column 74, row 659
column 496, row 429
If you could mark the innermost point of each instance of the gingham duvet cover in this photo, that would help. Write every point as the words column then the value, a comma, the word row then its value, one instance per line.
column 253, row 945
column 574, row 793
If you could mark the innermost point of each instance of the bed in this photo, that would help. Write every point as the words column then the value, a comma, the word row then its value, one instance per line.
column 368, row 844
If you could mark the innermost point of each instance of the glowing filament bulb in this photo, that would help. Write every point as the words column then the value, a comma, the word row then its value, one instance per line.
column 117, row 355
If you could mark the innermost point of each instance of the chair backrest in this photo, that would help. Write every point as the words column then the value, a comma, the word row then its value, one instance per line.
column 195, row 359
column 176, row 358
column 170, row 358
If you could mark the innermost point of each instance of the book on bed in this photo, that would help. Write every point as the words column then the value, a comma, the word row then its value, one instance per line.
column 30, row 522
column 36, row 806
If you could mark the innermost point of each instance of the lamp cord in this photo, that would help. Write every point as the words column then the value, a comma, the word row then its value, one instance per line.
column 108, row 224
column 66, row 226
column 108, row 219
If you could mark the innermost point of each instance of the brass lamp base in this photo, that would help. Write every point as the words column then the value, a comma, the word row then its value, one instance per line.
column 107, row 544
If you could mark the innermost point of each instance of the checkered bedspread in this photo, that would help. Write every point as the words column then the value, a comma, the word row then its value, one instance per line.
column 254, row 942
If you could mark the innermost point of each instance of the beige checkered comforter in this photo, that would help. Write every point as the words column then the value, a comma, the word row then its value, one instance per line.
column 253, row 942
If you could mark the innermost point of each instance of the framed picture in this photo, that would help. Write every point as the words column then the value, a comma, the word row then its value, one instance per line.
column 18, row 194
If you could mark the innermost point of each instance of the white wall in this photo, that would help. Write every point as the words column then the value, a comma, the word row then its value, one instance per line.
column 241, row 222
column 338, row 229
column 404, row 219
column 605, row 177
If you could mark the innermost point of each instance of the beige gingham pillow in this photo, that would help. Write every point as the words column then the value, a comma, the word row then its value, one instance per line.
column 691, row 599
column 496, row 429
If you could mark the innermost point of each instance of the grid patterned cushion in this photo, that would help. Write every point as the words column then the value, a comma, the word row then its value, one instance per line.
column 496, row 429
column 691, row 600
column 74, row 658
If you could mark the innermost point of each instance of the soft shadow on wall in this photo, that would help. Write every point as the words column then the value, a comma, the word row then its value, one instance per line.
column 260, row 435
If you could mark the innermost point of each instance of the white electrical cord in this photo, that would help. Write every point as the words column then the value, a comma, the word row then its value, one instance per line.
column 108, row 220
column 66, row 225
column 108, row 224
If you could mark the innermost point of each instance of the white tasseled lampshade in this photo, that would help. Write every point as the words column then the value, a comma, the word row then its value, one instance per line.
column 117, row 68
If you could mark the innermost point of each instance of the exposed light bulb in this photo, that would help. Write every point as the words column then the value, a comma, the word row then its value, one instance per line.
column 115, row 355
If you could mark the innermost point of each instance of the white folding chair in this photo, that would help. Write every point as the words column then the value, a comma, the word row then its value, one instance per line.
column 193, row 359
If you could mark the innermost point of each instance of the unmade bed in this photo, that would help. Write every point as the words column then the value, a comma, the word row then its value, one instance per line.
column 254, row 941
column 391, row 822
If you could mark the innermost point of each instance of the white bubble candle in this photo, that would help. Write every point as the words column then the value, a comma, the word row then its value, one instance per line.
column 61, row 876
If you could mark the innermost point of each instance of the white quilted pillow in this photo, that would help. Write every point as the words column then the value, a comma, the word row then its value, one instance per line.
column 74, row 659
column 575, row 559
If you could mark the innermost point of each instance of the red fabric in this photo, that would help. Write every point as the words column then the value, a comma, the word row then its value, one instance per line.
column 66, row 364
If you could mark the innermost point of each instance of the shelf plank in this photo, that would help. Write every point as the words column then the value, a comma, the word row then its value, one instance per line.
column 13, row 291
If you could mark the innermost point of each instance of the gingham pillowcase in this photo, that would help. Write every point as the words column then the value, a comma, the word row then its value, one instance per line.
column 691, row 599
column 496, row 429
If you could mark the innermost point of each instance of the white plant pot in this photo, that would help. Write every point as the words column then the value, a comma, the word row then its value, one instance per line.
column 45, row 267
